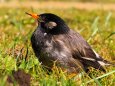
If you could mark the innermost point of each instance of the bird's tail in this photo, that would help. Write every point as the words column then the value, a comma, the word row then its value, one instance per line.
column 103, row 62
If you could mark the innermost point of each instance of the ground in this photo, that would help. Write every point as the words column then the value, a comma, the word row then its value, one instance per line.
column 94, row 21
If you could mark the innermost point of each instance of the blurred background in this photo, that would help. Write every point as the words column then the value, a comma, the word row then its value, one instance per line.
column 81, row 4
column 65, row 0
column 93, row 19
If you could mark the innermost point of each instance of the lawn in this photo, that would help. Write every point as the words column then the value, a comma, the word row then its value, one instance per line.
column 97, row 27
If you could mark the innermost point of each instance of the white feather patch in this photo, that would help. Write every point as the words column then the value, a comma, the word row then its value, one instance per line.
column 90, row 59
column 97, row 55
column 103, row 63
column 45, row 34
column 100, row 62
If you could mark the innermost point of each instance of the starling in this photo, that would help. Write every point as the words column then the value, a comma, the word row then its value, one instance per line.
column 54, row 42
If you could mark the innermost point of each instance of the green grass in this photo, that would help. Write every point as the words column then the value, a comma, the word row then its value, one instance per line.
column 98, row 27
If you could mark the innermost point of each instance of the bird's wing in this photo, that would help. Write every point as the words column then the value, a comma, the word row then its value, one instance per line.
column 82, row 51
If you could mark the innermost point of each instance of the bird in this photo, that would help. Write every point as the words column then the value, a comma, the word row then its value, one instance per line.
column 53, row 42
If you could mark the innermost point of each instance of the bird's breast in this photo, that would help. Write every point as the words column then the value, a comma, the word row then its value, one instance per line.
column 50, row 49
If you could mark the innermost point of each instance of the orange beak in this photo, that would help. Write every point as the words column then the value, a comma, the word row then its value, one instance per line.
column 35, row 16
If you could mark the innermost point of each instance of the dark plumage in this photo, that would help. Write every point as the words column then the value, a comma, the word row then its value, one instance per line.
column 53, row 41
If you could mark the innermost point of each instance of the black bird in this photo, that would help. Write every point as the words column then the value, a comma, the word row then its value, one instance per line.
column 55, row 43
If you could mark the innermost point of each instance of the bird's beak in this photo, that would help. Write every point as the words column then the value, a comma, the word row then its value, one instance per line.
column 33, row 15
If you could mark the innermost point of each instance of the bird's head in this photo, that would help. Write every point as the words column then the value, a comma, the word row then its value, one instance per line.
column 51, row 23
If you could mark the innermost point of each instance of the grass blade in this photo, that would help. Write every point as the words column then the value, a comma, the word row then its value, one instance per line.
column 97, row 81
column 107, row 19
column 110, row 35
column 94, row 28
column 107, row 74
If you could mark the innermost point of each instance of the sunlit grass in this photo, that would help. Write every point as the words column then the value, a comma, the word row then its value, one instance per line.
column 97, row 27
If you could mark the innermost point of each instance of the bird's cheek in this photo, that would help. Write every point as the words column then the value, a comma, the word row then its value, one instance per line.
column 50, row 27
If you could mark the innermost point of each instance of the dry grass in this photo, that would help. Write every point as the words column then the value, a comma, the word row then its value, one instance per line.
column 16, row 52
column 59, row 5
